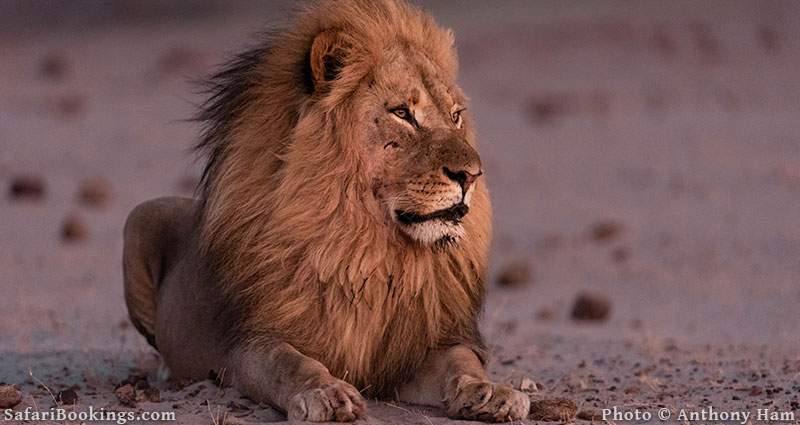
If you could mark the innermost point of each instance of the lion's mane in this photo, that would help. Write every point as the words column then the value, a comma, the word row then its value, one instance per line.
column 290, row 228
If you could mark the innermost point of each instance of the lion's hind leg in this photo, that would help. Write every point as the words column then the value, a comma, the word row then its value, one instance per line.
column 153, row 232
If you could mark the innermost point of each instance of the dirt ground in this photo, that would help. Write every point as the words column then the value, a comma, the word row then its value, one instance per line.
column 646, row 152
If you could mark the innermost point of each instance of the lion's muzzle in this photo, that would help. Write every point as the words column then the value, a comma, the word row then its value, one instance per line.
column 453, row 215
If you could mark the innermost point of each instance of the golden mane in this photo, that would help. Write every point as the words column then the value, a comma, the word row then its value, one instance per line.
column 290, row 226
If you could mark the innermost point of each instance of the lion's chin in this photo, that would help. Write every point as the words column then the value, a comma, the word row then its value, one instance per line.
column 434, row 232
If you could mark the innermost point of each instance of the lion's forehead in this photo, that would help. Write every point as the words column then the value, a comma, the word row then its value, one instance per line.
column 414, row 75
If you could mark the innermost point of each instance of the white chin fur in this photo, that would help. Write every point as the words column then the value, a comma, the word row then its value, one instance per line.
column 432, row 231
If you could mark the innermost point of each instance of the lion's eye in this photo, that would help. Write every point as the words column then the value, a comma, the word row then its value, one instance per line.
column 402, row 113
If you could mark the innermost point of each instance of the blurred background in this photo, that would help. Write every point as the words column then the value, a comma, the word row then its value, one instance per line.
column 643, row 159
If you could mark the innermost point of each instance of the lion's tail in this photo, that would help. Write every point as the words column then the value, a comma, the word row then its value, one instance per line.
column 152, row 231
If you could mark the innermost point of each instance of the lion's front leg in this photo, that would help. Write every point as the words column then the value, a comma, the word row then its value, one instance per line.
column 296, row 384
column 455, row 379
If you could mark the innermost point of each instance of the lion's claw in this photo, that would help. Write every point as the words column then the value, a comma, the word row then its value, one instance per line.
column 334, row 402
column 476, row 399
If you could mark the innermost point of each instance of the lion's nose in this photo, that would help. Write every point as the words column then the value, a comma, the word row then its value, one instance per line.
column 462, row 177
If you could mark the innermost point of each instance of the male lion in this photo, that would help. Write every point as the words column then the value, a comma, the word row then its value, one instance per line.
column 339, row 245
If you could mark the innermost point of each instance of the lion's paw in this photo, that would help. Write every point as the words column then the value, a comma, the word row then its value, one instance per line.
column 476, row 399
column 334, row 402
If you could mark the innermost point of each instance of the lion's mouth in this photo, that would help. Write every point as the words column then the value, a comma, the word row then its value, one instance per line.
column 452, row 214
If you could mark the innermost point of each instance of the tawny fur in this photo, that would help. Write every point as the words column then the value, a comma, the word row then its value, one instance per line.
column 290, row 223
column 310, row 267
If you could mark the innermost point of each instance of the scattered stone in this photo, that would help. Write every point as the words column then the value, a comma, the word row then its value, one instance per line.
column 604, row 231
column 239, row 410
column 620, row 255
column 632, row 390
column 508, row 361
column 148, row 395
column 26, row 188
column 94, row 192
column 70, row 105
column 10, row 396
column 545, row 109
column 126, row 395
column 67, row 397
column 507, row 327
column 591, row 307
column 593, row 415
column 74, row 229
column 553, row 410
column 136, row 389
column 193, row 393
column 514, row 274
column 54, row 67
column 527, row 385
column 545, row 314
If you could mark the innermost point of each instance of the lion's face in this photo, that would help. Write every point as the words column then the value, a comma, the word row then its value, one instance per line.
column 419, row 150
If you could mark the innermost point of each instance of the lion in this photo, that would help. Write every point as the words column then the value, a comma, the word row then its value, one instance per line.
column 338, row 246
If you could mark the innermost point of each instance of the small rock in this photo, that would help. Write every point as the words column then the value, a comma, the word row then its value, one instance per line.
column 593, row 415
column 508, row 361
column 604, row 231
column 94, row 192
column 591, row 307
column 239, row 410
column 67, row 397
column 148, row 395
column 507, row 327
column 620, row 255
column 10, row 396
column 527, row 385
column 553, row 410
column 545, row 314
column 126, row 395
column 546, row 108
column 26, row 188
column 70, row 105
column 514, row 274
column 74, row 229
column 54, row 67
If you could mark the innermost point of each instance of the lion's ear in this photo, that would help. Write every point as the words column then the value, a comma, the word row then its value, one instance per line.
column 326, row 58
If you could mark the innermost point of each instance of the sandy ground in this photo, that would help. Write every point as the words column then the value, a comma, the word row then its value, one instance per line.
column 673, row 124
